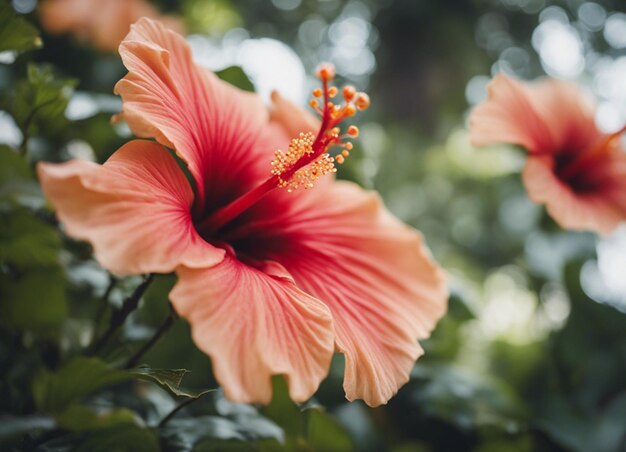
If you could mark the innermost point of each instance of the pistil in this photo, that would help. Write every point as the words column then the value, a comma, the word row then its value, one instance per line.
column 306, row 159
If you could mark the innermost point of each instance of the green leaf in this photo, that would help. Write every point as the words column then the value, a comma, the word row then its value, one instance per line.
column 466, row 398
column 121, row 438
column 168, row 379
column 56, row 391
column 283, row 411
column 33, row 300
column 26, row 241
column 40, row 100
column 15, row 32
column 17, row 182
column 78, row 418
column 219, row 433
column 308, row 429
column 324, row 433
column 236, row 76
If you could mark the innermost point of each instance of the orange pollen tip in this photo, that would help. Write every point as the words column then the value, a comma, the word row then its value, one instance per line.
column 362, row 101
column 349, row 92
column 326, row 72
column 307, row 157
column 353, row 131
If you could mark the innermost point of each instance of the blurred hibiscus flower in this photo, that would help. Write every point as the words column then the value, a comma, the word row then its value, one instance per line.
column 272, row 277
column 573, row 168
column 103, row 23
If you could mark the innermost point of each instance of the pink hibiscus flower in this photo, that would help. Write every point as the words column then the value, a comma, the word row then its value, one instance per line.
column 103, row 23
column 272, row 277
column 573, row 168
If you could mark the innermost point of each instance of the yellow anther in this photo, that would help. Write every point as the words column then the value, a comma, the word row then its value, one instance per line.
column 313, row 103
column 345, row 153
column 307, row 176
column 332, row 91
column 348, row 146
column 349, row 92
column 303, row 145
column 339, row 159
column 317, row 92
column 326, row 72
column 349, row 110
column 362, row 101
column 353, row 131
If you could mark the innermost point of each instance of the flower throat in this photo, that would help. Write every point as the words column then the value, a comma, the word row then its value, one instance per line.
column 307, row 158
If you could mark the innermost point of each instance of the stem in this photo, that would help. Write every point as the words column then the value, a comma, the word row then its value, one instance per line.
column 119, row 317
column 27, row 121
column 166, row 325
column 104, row 300
column 179, row 407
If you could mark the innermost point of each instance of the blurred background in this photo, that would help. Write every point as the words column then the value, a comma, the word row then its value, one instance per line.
column 532, row 355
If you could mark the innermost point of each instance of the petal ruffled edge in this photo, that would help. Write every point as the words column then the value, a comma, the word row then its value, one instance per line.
column 134, row 209
column 590, row 212
column 166, row 96
column 374, row 273
column 255, row 325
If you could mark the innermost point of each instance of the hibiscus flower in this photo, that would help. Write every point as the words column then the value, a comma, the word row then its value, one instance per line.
column 104, row 23
column 573, row 168
column 273, row 275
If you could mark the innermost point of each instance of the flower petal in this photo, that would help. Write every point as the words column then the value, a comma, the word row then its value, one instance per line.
column 134, row 209
column 567, row 112
column 255, row 324
column 509, row 116
column 103, row 22
column 291, row 118
column 376, row 276
column 214, row 127
column 592, row 212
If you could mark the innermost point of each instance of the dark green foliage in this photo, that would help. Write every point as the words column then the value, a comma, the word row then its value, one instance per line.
column 16, row 33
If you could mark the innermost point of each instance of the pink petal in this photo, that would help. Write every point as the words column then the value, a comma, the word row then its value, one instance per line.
column 567, row 112
column 134, row 209
column 255, row 324
column 103, row 22
column 291, row 118
column 376, row 276
column 586, row 212
column 217, row 129
column 548, row 116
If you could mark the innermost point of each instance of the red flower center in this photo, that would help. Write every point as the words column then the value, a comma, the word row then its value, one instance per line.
column 583, row 170
column 307, row 158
